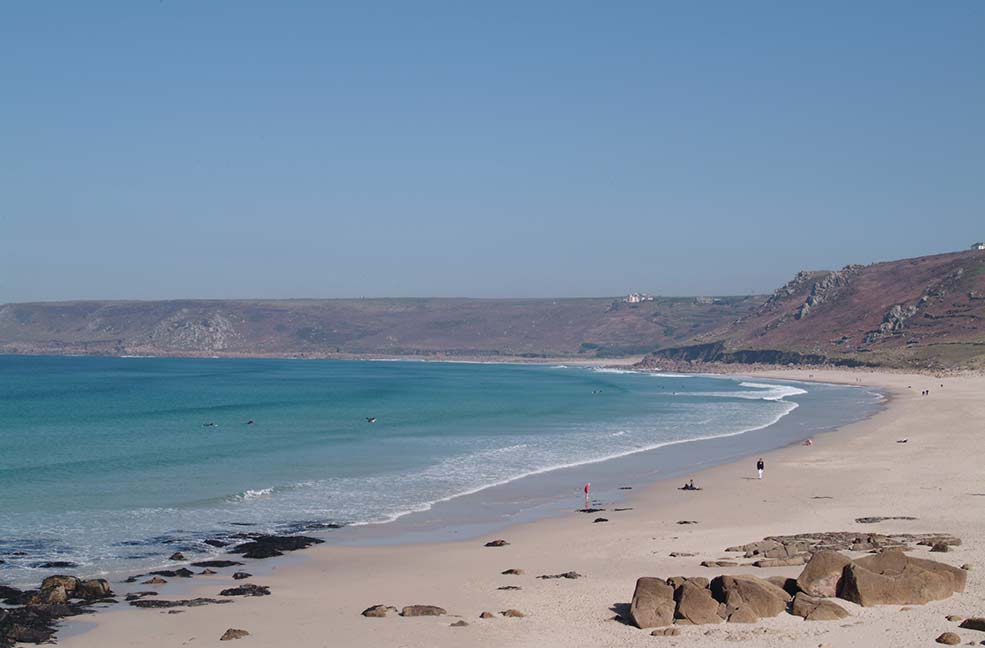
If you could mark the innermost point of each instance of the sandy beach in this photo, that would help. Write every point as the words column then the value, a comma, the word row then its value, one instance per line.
column 856, row 471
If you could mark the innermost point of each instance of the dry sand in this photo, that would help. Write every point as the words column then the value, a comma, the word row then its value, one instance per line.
column 938, row 477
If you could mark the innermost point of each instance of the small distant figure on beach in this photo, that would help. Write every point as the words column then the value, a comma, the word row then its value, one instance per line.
column 371, row 419
column 588, row 490
column 809, row 442
column 760, row 466
column 689, row 486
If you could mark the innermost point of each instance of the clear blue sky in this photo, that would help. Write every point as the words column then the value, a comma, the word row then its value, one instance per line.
column 282, row 149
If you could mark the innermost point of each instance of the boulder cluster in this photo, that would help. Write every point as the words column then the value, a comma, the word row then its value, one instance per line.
column 34, row 613
column 889, row 577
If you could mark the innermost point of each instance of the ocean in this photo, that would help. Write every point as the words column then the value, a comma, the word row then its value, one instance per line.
column 112, row 464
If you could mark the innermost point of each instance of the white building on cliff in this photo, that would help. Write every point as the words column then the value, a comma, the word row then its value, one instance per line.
column 978, row 246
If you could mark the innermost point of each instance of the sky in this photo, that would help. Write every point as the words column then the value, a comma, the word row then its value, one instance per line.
column 232, row 149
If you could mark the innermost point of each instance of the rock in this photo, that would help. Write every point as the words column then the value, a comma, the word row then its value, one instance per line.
column 948, row 639
column 601, row 519
column 508, row 587
column 747, row 598
column 51, row 596
column 174, row 573
column 695, row 605
column 718, row 563
column 788, row 585
column 677, row 581
column 56, row 564
column 233, row 633
column 931, row 540
column 513, row 572
column 94, row 588
column 666, row 632
column 177, row 556
column 134, row 596
column 513, row 613
column 460, row 624
column 687, row 521
column 816, row 609
column 682, row 554
column 216, row 563
column 972, row 623
column 246, row 589
column 876, row 519
column 569, row 575
column 893, row 578
column 268, row 546
column 207, row 572
column 157, row 580
column 216, row 543
column 241, row 575
column 422, row 610
column 378, row 611
column 196, row 602
column 487, row 615
column 780, row 562
column 940, row 547
column 653, row 603
column 823, row 573
column 967, row 566
column 497, row 543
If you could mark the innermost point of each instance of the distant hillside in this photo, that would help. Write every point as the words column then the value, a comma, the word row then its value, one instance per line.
column 389, row 327
column 926, row 312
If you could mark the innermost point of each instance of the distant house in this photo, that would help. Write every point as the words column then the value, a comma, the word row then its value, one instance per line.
column 978, row 246
column 636, row 298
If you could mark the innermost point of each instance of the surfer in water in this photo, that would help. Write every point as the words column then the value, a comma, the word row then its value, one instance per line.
column 371, row 419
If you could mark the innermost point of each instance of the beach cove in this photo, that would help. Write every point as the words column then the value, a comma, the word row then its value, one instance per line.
column 854, row 472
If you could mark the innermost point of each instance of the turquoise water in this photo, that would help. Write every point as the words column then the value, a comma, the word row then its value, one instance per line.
column 114, row 463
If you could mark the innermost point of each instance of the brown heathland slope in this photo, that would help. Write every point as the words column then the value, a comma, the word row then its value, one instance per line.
column 425, row 327
column 925, row 312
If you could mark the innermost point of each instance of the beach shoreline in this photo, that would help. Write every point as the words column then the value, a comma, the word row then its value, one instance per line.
column 463, row 576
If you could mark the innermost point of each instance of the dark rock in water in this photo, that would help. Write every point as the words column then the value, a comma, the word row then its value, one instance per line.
column 497, row 543
column 597, row 520
column 177, row 556
column 216, row 563
column 55, row 564
column 9, row 594
column 247, row 589
column 875, row 519
column 268, row 546
column 570, row 574
column 174, row 573
column 216, row 543
column 196, row 602
column 241, row 576
column 93, row 589
column 133, row 579
column 136, row 596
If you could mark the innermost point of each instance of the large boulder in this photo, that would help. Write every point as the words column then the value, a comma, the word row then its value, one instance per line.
column 695, row 605
column 653, row 603
column 816, row 609
column 94, row 588
column 422, row 610
column 748, row 599
column 69, row 583
column 893, row 578
column 822, row 574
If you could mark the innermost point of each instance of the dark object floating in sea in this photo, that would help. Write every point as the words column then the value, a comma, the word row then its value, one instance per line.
column 177, row 556
column 216, row 543
column 497, row 543
column 625, row 508
column 55, row 564
column 600, row 519
column 590, row 510
column 243, row 523
column 217, row 563
column 196, row 602
column 687, row 521
column 874, row 519
column 570, row 575
column 247, row 589
column 371, row 419
column 173, row 573
column 241, row 575
column 268, row 546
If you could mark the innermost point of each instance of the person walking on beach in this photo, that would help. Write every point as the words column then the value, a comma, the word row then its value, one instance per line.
column 760, row 465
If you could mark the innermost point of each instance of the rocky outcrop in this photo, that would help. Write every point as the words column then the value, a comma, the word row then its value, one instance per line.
column 653, row 603
column 816, row 609
column 892, row 322
column 695, row 605
column 747, row 598
column 826, row 289
column 378, row 611
column 822, row 574
column 269, row 546
column 893, row 578
column 246, row 589
column 233, row 633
